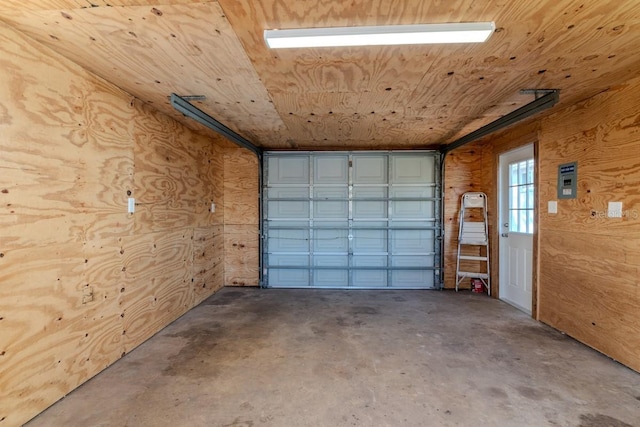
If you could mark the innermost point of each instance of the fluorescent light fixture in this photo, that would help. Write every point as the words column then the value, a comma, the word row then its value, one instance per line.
column 464, row 32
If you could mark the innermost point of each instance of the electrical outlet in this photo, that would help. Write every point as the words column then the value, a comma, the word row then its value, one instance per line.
column 615, row 210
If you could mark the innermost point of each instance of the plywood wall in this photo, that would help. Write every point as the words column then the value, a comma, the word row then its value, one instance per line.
column 241, row 217
column 588, row 278
column 589, row 283
column 82, row 282
column 463, row 173
column 474, row 167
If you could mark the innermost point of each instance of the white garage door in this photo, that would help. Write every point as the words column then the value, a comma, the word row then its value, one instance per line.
column 351, row 220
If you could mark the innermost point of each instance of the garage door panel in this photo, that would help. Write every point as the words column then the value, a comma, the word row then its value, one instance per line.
column 370, row 278
column 288, row 241
column 288, row 170
column 412, row 169
column 324, row 207
column 412, row 278
column 370, row 169
column 279, row 208
column 412, row 241
column 369, row 241
column 412, row 208
column 289, row 276
column 331, row 240
column 370, row 208
column 346, row 224
column 331, row 169
column 336, row 276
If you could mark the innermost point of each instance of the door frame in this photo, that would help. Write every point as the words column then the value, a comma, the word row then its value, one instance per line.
column 535, row 267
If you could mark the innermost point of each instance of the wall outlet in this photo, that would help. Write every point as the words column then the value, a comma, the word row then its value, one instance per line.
column 552, row 207
column 131, row 205
column 615, row 210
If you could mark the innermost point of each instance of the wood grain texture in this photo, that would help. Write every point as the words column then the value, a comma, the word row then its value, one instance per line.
column 81, row 281
column 158, row 282
column 188, row 49
column 463, row 173
column 66, row 140
column 438, row 92
column 541, row 45
column 589, row 263
column 591, row 297
column 474, row 167
column 208, row 262
column 241, row 218
column 588, row 280
column 82, row 4
column 241, row 255
column 50, row 340
column 241, row 187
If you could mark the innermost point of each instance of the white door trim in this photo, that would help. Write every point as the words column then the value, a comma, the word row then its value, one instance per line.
column 515, row 249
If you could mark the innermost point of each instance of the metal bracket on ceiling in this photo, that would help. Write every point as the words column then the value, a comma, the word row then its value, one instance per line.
column 537, row 93
column 182, row 104
column 548, row 100
column 191, row 97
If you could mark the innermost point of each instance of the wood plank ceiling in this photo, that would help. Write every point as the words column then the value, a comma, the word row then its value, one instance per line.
column 351, row 98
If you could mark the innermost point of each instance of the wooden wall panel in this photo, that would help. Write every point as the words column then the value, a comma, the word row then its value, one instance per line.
column 168, row 189
column 241, row 255
column 158, row 282
column 474, row 167
column 589, row 277
column 52, row 337
column 208, row 261
column 240, row 186
column 82, row 282
column 82, row 4
column 463, row 173
column 241, row 213
column 587, row 282
column 172, row 47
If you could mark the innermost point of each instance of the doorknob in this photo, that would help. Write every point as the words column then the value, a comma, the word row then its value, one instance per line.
column 505, row 234
column 506, row 224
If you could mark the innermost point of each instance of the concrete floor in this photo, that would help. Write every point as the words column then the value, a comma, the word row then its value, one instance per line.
column 250, row 357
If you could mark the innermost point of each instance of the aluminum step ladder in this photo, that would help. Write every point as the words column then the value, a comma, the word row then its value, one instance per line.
column 473, row 237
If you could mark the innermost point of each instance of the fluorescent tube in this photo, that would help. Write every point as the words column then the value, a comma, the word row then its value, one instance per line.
column 466, row 32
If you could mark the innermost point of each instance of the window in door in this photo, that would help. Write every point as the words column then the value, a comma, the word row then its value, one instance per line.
column 521, row 200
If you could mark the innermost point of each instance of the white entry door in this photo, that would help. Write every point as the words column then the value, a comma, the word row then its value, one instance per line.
column 516, row 227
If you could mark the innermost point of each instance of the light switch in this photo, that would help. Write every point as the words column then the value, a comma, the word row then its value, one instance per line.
column 213, row 207
column 615, row 210
column 131, row 205
column 552, row 207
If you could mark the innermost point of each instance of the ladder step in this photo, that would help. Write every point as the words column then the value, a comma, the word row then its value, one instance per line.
column 478, row 242
column 473, row 275
column 474, row 258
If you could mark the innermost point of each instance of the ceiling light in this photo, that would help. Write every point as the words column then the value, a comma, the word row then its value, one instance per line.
column 464, row 32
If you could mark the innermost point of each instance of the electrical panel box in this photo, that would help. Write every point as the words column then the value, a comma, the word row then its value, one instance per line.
column 567, row 180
